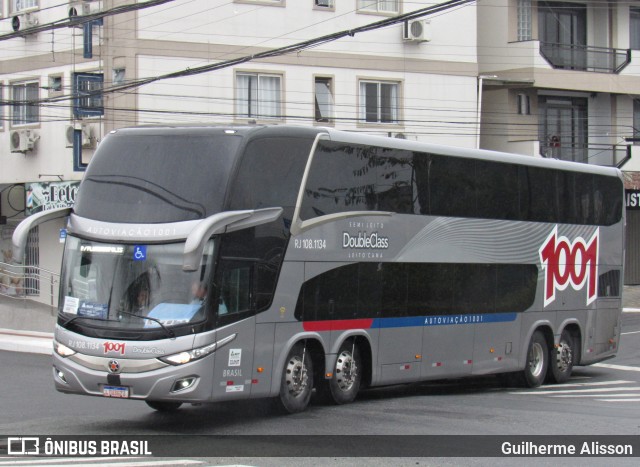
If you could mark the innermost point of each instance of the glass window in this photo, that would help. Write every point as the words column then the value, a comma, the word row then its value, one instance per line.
column 379, row 102
column 19, row 5
column 118, row 75
column 346, row 178
column 324, row 3
column 634, row 28
column 87, row 91
column 132, row 286
column 2, row 106
column 270, row 176
column 394, row 188
column 497, row 190
column 155, row 177
column 26, row 109
column 636, row 119
column 392, row 290
column 524, row 20
column 323, row 99
column 258, row 95
column 235, row 287
column 524, row 104
column 55, row 84
column 382, row 6
column 452, row 186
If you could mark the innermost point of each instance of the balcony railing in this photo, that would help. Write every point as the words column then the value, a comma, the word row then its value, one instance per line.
column 610, row 155
column 585, row 58
column 28, row 282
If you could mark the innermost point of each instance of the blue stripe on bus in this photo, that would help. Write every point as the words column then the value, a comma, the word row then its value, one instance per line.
column 443, row 320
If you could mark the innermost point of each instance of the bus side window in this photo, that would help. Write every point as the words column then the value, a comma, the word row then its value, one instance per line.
column 235, row 288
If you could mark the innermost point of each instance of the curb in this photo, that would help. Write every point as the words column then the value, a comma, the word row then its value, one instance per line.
column 26, row 341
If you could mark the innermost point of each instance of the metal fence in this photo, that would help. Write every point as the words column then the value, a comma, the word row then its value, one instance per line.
column 29, row 282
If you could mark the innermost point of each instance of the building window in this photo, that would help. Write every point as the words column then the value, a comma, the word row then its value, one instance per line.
column 20, row 5
column 25, row 103
column 324, row 3
column 324, row 99
column 258, row 95
column 263, row 2
column 87, row 92
column 379, row 6
column 634, row 28
column 379, row 102
column 2, row 105
column 118, row 75
column 636, row 120
column 55, row 85
column 524, row 104
column 524, row 20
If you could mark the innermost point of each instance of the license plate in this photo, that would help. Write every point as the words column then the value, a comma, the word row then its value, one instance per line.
column 120, row 392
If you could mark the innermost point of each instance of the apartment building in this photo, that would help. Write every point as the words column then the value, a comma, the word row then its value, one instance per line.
column 540, row 78
column 561, row 79
column 71, row 71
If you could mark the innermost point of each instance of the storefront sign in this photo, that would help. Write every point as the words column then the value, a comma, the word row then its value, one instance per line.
column 632, row 199
column 49, row 195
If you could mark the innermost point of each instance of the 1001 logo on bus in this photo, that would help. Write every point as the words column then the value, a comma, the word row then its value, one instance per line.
column 569, row 263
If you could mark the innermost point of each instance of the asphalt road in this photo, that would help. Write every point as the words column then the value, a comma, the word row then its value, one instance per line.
column 599, row 400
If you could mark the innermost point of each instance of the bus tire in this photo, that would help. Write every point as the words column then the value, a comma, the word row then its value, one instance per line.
column 347, row 373
column 161, row 406
column 297, row 380
column 562, row 359
column 535, row 369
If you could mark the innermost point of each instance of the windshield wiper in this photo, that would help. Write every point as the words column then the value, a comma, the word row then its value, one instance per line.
column 168, row 331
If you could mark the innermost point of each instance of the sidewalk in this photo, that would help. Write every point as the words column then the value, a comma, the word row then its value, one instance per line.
column 27, row 326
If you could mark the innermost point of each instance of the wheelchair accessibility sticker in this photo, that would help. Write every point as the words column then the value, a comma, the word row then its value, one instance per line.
column 139, row 252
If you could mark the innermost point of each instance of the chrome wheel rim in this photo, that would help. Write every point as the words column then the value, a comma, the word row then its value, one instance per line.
column 296, row 376
column 536, row 360
column 346, row 371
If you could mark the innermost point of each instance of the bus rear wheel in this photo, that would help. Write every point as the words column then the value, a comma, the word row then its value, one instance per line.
column 297, row 380
column 164, row 406
column 535, row 369
column 347, row 373
column 562, row 359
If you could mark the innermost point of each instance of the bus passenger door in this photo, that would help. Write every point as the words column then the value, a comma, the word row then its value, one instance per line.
column 235, row 317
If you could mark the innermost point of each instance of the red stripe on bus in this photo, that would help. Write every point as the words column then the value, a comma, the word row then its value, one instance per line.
column 337, row 324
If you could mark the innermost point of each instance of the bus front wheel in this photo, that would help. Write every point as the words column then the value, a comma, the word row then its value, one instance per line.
column 347, row 373
column 535, row 369
column 164, row 406
column 297, row 380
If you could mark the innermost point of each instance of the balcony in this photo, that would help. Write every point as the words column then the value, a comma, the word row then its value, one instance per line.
column 585, row 58
column 610, row 155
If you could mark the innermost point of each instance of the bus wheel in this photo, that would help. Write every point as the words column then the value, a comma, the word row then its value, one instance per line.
column 297, row 380
column 537, row 360
column 562, row 359
column 347, row 373
column 164, row 406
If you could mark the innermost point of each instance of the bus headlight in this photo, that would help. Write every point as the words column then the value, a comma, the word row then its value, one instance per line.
column 191, row 355
column 62, row 349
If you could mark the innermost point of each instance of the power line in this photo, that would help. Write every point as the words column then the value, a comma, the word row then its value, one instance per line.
column 80, row 20
column 297, row 47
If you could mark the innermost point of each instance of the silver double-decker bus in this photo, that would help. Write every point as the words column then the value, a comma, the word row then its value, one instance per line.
column 213, row 263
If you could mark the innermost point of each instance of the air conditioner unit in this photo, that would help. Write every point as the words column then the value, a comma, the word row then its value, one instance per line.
column 418, row 30
column 25, row 21
column 83, row 8
column 88, row 138
column 22, row 140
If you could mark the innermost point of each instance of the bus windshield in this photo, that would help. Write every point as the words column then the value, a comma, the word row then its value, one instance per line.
column 133, row 287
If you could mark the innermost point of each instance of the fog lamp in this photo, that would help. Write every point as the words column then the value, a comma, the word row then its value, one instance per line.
column 184, row 383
